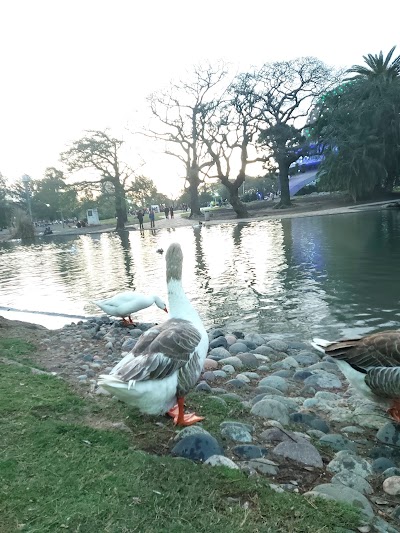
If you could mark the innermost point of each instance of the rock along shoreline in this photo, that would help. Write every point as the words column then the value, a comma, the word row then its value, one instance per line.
column 303, row 428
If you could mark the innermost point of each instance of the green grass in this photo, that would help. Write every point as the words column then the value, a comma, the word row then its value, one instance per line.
column 57, row 473
column 17, row 350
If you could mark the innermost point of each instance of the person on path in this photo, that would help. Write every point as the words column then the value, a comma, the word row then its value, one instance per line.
column 140, row 218
column 171, row 211
column 152, row 218
column 166, row 211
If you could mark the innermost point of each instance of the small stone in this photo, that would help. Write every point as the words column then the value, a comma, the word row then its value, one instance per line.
column 203, row 387
column 198, row 447
column 300, row 451
column 302, row 375
column 230, row 339
column 249, row 360
column 221, row 460
column 279, row 346
column 102, row 392
column 218, row 343
column 346, row 460
column 276, row 382
column 249, row 451
column 128, row 344
column 109, row 345
column 337, row 442
column 215, row 333
column 352, row 429
column 220, row 373
column 391, row 485
column 233, row 361
column 264, row 466
column 342, row 493
column 311, row 420
column 283, row 373
column 389, row 434
column 189, row 431
column 219, row 353
column 210, row 364
column 271, row 409
column 236, row 384
column 228, row 369
column 255, row 338
column 238, row 334
column 264, row 350
column 243, row 378
column 237, row 347
column 268, row 390
column 381, row 464
column 353, row 481
column 209, row 376
column 286, row 364
column 394, row 471
column 323, row 380
column 306, row 358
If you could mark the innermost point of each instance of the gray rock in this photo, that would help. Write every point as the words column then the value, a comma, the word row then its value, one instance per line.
column 345, row 494
column 389, row 434
column 264, row 466
column 271, row 409
column 237, row 347
column 198, row 447
column 135, row 333
column 238, row 334
column 229, row 369
column 381, row 526
column 325, row 366
column 323, row 380
column 353, row 481
column 391, row 472
column 249, row 451
column 220, row 373
column 278, row 345
column 249, row 360
column 306, row 358
column 381, row 464
column 203, row 387
column 189, row 431
column 243, row 378
column 348, row 461
column 283, row 373
column 240, row 425
column 391, row 485
column 209, row 376
column 286, row 364
column 219, row 342
column 250, row 375
column 219, row 353
column 233, row 361
column 302, row 375
column 221, row 460
column 214, row 333
column 255, row 338
column 276, row 382
column 311, row 420
column 264, row 350
column 250, row 345
column 299, row 450
column 268, row 390
column 236, row 384
column 275, row 435
column 337, row 442
column 290, row 403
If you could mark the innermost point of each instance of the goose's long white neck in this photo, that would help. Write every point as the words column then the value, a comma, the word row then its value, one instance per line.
column 179, row 304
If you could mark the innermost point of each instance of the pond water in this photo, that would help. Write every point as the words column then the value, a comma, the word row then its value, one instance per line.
column 330, row 276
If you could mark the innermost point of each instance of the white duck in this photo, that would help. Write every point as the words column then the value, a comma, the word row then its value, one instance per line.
column 167, row 360
column 371, row 364
column 125, row 303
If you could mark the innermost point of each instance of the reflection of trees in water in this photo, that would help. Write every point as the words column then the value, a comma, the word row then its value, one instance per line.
column 201, row 269
column 126, row 253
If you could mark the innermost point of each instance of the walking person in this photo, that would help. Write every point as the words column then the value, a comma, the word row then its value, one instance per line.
column 140, row 218
column 166, row 211
column 152, row 218
column 171, row 211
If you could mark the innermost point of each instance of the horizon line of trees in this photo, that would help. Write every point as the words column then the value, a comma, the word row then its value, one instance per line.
column 268, row 115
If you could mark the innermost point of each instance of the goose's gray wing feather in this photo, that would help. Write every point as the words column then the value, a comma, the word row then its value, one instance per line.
column 377, row 350
column 161, row 351
column 384, row 381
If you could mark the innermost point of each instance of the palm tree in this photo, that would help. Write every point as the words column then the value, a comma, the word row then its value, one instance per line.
column 378, row 66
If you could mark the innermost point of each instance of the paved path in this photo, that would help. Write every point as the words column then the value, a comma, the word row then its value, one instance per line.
column 301, row 180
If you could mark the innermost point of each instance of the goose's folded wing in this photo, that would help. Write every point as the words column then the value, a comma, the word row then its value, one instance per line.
column 378, row 350
column 384, row 381
column 160, row 351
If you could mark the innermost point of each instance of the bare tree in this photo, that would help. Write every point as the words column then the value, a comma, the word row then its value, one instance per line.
column 182, row 109
column 285, row 92
column 229, row 132
column 99, row 151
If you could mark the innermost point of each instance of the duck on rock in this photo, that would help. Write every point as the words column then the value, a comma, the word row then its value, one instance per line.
column 167, row 359
column 125, row 303
column 371, row 364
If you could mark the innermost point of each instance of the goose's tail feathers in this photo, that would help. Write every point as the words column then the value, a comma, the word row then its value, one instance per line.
column 320, row 344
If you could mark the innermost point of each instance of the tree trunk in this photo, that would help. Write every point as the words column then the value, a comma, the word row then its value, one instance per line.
column 120, row 206
column 284, row 183
column 238, row 206
column 194, row 182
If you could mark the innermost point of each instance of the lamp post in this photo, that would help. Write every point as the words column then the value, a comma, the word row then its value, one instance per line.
column 26, row 180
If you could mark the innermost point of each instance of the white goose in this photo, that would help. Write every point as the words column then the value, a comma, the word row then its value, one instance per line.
column 371, row 364
column 125, row 303
column 167, row 360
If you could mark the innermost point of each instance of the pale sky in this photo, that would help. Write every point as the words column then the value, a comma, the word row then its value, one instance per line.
column 68, row 66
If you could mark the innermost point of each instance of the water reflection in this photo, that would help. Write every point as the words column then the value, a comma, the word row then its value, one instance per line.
column 327, row 275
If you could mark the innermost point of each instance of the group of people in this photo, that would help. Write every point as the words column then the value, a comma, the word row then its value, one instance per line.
column 168, row 211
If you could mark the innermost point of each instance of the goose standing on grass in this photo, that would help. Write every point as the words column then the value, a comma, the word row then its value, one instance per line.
column 371, row 364
column 125, row 303
column 167, row 360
